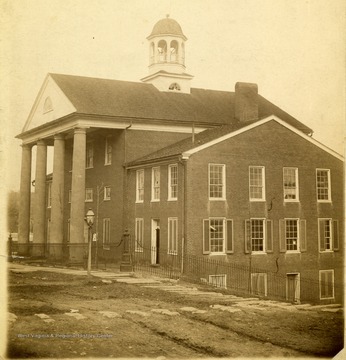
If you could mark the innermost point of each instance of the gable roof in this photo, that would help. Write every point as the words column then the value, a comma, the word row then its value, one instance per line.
column 94, row 96
column 186, row 147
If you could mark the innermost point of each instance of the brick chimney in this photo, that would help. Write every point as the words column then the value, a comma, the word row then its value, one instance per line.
column 246, row 102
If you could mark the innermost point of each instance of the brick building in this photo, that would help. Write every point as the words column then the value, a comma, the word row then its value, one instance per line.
column 216, row 174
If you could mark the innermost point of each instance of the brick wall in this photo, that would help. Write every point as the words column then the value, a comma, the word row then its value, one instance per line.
column 274, row 147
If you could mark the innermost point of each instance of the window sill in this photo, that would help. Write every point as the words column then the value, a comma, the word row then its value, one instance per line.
column 291, row 201
column 87, row 168
column 106, row 199
column 326, row 251
column 107, row 164
column 155, row 201
column 258, row 253
column 139, row 202
column 293, row 252
column 257, row 200
column 173, row 199
column 217, row 199
column 324, row 201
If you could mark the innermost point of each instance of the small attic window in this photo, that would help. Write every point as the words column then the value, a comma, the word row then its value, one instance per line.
column 47, row 106
column 174, row 86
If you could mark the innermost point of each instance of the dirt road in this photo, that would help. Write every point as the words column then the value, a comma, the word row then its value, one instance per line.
column 64, row 316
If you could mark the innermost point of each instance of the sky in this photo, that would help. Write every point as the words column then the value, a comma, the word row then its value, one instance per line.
column 293, row 49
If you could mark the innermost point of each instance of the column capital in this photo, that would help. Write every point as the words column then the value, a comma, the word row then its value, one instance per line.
column 80, row 130
column 41, row 142
column 27, row 146
column 59, row 137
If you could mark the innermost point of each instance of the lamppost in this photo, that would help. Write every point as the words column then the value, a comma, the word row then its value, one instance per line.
column 89, row 218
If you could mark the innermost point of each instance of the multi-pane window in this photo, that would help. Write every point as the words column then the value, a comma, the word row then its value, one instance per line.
column 292, row 235
column 217, row 235
column 328, row 233
column 107, row 193
column 49, row 195
column 323, row 184
column 106, row 231
column 155, row 184
column 173, row 236
column 89, row 194
column 139, row 231
column 108, row 151
column 173, row 182
column 290, row 183
column 140, row 185
column 257, row 235
column 89, row 161
column 216, row 181
column 256, row 183
column 326, row 284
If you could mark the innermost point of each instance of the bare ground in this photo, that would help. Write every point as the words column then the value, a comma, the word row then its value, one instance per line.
column 132, row 323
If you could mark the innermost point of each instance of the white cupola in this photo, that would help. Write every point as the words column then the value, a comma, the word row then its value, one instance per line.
column 167, row 57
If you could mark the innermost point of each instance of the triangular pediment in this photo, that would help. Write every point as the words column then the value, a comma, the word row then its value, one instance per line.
column 51, row 104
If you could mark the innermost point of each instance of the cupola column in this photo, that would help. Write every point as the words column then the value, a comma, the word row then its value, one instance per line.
column 78, row 196
column 40, row 199
column 24, row 209
column 57, row 218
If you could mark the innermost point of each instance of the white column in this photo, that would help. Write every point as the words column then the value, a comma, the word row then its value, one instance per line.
column 78, row 196
column 40, row 199
column 24, row 209
column 57, row 211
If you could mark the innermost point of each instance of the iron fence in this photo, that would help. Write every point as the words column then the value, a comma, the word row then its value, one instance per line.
column 231, row 277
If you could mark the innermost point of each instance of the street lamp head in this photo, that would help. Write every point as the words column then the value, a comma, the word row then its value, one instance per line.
column 90, row 217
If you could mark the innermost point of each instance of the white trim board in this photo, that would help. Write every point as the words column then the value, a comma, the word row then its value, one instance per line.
column 187, row 154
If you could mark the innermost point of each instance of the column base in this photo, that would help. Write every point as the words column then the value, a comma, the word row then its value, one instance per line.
column 125, row 265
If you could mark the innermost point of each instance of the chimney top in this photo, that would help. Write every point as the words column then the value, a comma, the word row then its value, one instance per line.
column 246, row 101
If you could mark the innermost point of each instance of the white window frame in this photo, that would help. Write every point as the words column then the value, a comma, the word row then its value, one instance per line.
column 106, row 193
column 49, row 195
column 140, row 186
column 69, row 196
column 223, row 251
column 89, row 195
column 298, row 235
column 214, row 280
column 331, row 235
column 329, row 187
column 264, row 251
column 108, row 151
column 106, row 245
column 255, row 291
column 172, row 240
column 171, row 184
column 295, row 189
column 139, row 234
column 155, row 187
column 262, row 186
column 89, row 157
column 223, row 184
column 320, row 283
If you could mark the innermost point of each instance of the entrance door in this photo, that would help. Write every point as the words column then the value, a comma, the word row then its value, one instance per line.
column 293, row 288
column 155, row 241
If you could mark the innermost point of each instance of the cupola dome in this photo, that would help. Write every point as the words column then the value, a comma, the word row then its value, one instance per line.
column 167, row 26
